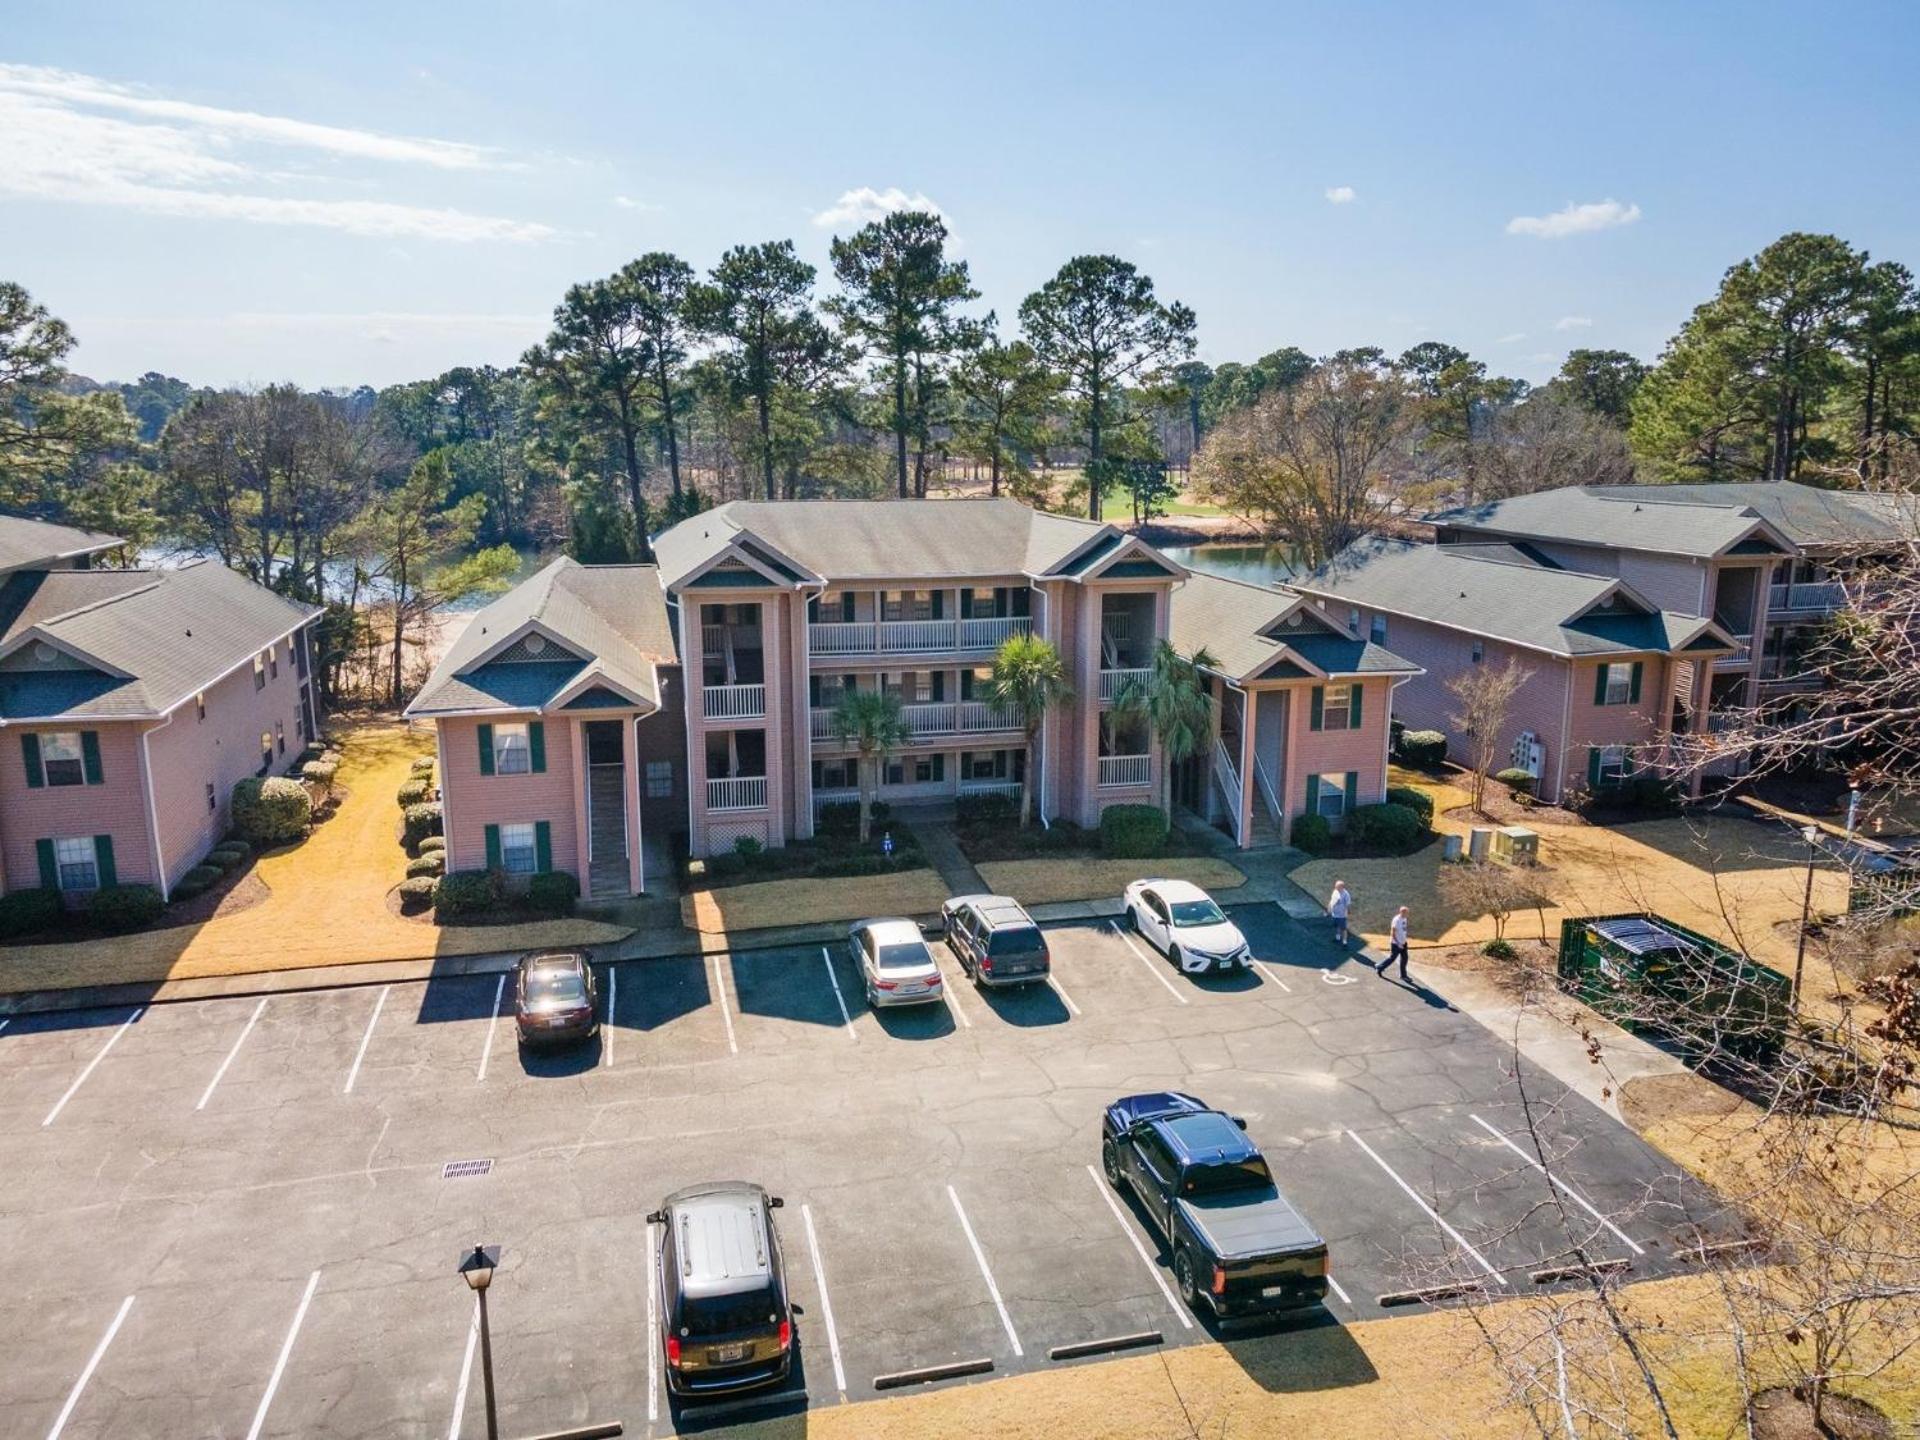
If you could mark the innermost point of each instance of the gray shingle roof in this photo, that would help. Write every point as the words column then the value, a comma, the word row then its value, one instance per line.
column 1230, row 618
column 615, row 616
column 1639, row 517
column 169, row 633
column 883, row 539
column 1529, row 605
column 25, row 542
column 1804, row 514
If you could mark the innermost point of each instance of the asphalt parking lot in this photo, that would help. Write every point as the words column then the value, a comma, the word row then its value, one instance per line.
column 234, row 1218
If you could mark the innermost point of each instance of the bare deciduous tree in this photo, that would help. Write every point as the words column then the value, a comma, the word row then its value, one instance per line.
column 1485, row 694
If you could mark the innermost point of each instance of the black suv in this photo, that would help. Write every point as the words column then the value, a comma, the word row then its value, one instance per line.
column 995, row 940
column 726, row 1323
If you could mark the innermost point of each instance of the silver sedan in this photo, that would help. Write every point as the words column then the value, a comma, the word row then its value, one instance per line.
column 896, row 967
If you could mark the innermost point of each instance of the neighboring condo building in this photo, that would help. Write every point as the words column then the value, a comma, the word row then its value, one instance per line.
column 131, row 703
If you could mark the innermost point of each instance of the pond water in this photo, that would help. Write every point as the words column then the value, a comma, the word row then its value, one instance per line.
column 1255, row 564
column 339, row 575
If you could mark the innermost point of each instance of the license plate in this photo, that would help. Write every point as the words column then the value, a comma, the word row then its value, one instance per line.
column 726, row 1354
column 556, row 1021
column 1273, row 1292
column 912, row 988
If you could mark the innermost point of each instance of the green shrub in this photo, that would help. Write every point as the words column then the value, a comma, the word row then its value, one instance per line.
column 859, row 863
column 1652, row 794
column 1389, row 827
column 220, row 861
column 1312, row 834
column 1423, row 749
column 1418, row 801
column 467, row 892
column 1515, row 779
column 414, row 792
column 1133, row 830
column 432, row 845
column 417, row 893
column 1395, row 729
column 842, row 817
column 1499, row 950
column 747, row 847
column 125, row 907
column 239, row 850
column 553, row 893
column 197, row 881
column 271, row 812
column 431, row 865
column 422, row 765
column 25, row 912
column 308, row 755
column 419, row 821
column 989, row 809
column 319, row 772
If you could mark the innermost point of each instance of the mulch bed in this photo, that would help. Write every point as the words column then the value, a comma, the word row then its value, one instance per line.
column 1781, row 1415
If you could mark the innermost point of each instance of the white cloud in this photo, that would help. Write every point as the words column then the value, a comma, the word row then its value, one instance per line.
column 1573, row 322
column 1342, row 194
column 627, row 202
column 1574, row 220
column 1515, row 338
column 167, row 158
column 865, row 205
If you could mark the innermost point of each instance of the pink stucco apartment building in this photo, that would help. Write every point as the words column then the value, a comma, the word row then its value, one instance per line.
column 131, row 703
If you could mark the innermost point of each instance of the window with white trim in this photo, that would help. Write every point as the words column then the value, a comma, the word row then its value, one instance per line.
column 1611, row 768
column 659, row 779
column 512, row 751
column 78, row 863
column 1377, row 630
column 1478, row 653
column 519, row 852
column 200, row 704
column 260, row 671
column 63, row 758
column 1336, row 708
column 273, row 661
column 266, row 751
column 280, row 737
column 1619, row 684
column 213, row 798
column 1332, row 798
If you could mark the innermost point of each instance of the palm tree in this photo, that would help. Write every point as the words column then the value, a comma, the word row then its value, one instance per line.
column 1029, row 678
column 1174, row 700
column 875, row 725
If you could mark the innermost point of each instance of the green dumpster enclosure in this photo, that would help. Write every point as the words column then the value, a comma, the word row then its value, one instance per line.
column 1653, row 977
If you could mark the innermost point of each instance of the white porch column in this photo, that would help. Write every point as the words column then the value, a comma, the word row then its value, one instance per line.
column 582, row 822
column 1243, row 830
column 630, row 773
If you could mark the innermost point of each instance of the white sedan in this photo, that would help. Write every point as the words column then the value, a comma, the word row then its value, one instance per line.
column 1182, row 920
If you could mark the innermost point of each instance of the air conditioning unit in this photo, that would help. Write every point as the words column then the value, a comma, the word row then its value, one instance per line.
column 1479, row 842
column 1516, row 845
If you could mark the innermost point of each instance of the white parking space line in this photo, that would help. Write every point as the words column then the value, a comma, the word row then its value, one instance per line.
column 726, row 1006
column 245, row 1031
column 280, row 1365
column 1564, row 1188
column 985, row 1274
column 93, row 1363
column 826, row 1305
column 1152, row 968
column 493, row 1024
column 1432, row 1214
column 613, row 1007
column 1268, row 972
column 1061, row 991
column 4, row 1023
column 1345, row 1298
column 361, row 1053
column 826, row 959
column 953, row 1004
column 112, row 1040
column 466, row 1372
column 653, row 1326
column 1120, row 1216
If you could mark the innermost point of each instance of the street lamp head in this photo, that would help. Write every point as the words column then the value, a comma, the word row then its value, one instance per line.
column 1810, row 834
column 476, row 1265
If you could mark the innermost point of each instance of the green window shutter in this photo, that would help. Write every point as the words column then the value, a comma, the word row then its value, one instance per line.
column 493, row 847
column 1353, row 790
column 49, row 872
column 103, row 860
column 30, row 752
column 90, row 755
column 1633, row 687
column 1316, row 713
column 486, row 749
column 1313, row 795
column 542, row 846
column 1600, row 684
column 1626, row 764
column 1593, row 767
column 846, row 606
column 1353, row 707
column 537, row 747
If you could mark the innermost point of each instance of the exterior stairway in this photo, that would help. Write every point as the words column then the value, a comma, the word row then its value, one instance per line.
column 606, row 796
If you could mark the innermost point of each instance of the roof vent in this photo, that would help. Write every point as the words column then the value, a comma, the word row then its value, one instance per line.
column 536, row 643
column 44, row 653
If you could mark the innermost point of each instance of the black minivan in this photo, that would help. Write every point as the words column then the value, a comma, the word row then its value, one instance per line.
column 995, row 940
column 725, row 1320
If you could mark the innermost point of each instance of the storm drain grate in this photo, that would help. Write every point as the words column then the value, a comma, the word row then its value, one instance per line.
column 465, row 1169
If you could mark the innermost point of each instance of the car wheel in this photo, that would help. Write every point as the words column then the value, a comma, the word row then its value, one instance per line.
column 1110, row 1162
column 1183, row 1280
column 1133, row 920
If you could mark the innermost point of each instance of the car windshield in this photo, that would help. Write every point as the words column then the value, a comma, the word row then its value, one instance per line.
column 1213, row 1179
column 555, row 987
column 1021, row 940
column 911, row 955
column 711, row 1315
column 1197, row 912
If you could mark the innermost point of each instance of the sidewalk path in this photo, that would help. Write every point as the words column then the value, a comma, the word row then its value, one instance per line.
column 944, row 853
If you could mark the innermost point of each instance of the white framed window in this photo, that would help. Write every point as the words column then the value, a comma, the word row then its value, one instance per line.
column 280, row 737
column 1336, row 708
column 519, row 854
column 659, row 779
column 1619, row 684
column 63, row 757
column 512, row 751
column 1479, row 652
column 78, row 864
column 1611, row 767
column 1377, row 630
column 1331, row 801
column 1353, row 618
column 273, row 661
column 200, row 704
column 266, row 750
column 213, row 798
column 260, row 671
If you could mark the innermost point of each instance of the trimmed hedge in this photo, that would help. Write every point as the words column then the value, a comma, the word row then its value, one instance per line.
column 747, row 846
column 416, row 894
column 989, row 809
column 466, row 892
column 414, row 792
column 1312, row 834
column 432, row 845
column 197, row 881
column 1133, row 830
column 271, row 812
column 319, row 772
column 422, row 765
column 1424, row 749
column 220, row 861
column 1514, row 778
column 1418, row 801
column 23, row 912
column 238, row 849
column 1385, row 827
column 842, row 817
column 553, row 893
column 125, row 907
column 431, row 865
column 420, row 821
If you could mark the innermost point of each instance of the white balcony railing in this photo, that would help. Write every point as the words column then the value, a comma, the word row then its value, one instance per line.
column 913, row 637
column 990, row 787
column 990, row 632
column 1125, row 770
column 743, row 792
column 1812, row 597
column 822, row 723
column 713, row 640
column 734, row 702
column 1112, row 681
column 978, row 715
column 1741, row 656
column 933, row 719
column 842, row 637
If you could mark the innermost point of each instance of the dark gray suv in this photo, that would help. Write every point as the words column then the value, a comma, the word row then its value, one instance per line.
column 995, row 940
column 725, row 1321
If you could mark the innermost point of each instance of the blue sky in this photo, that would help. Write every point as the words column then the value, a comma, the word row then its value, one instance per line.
column 373, row 192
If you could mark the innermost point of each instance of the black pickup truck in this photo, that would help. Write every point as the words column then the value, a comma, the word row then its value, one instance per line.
column 1236, row 1242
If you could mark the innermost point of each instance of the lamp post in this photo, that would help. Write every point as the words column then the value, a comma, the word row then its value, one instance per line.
column 1810, row 834
column 476, row 1267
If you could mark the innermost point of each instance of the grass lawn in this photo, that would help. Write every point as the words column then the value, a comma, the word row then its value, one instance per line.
column 1119, row 508
column 808, row 901
column 1043, row 882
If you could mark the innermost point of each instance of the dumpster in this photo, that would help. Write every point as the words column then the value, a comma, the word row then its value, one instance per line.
column 1659, row 979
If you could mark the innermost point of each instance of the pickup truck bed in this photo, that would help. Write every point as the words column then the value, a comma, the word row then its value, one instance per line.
column 1238, row 1226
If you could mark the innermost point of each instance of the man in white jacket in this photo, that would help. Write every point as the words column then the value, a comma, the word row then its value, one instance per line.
column 1338, row 904
column 1397, row 943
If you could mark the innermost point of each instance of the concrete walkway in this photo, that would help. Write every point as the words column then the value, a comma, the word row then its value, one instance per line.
column 945, row 855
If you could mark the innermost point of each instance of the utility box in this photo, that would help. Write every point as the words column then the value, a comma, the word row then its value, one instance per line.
column 1656, row 978
column 1450, row 849
column 1517, row 845
column 1480, row 843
